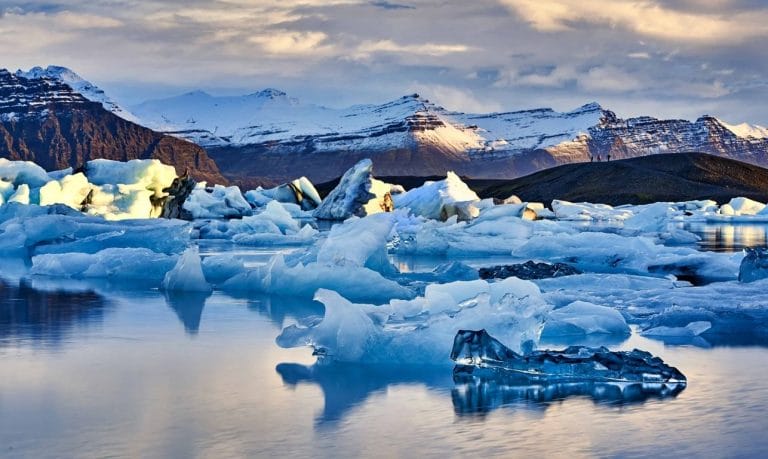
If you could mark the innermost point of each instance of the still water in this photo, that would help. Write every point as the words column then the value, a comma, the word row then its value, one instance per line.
column 100, row 370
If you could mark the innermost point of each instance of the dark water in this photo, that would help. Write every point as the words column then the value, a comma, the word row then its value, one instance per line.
column 107, row 371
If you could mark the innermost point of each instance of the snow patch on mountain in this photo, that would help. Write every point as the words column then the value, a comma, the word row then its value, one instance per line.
column 746, row 130
column 83, row 87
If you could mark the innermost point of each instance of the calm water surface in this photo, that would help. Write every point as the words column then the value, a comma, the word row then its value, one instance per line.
column 99, row 370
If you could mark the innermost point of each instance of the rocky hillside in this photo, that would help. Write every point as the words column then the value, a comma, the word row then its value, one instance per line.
column 44, row 120
column 665, row 177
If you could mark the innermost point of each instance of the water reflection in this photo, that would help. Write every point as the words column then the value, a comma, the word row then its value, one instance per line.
column 188, row 307
column 479, row 397
column 730, row 237
column 45, row 317
column 283, row 309
column 346, row 386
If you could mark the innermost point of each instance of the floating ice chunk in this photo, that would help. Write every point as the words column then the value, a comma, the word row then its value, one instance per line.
column 114, row 263
column 586, row 211
column 358, row 242
column 21, row 195
column 150, row 174
column 300, row 280
column 582, row 318
column 70, row 190
column 33, row 230
column 691, row 330
column 605, row 252
column 357, row 194
column 300, row 192
column 219, row 268
column 420, row 330
column 478, row 354
column 23, row 172
column 216, row 202
column 745, row 206
column 441, row 200
column 754, row 266
column 187, row 274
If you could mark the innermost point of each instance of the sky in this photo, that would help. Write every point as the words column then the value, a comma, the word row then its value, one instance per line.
column 664, row 58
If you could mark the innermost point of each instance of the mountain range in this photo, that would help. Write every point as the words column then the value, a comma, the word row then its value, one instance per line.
column 44, row 119
column 268, row 137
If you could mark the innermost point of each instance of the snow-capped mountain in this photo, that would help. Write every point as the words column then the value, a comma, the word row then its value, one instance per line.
column 270, row 134
column 81, row 86
column 43, row 119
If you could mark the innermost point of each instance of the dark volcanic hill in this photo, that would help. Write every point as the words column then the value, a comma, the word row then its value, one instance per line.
column 46, row 121
column 664, row 177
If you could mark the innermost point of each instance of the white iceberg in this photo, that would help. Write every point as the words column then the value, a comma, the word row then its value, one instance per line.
column 187, row 275
column 357, row 194
column 421, row 330
column 583, row 318
column 440, row 200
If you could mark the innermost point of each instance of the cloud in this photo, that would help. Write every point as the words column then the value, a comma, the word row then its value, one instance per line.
column 609, row 78
column 367, row 48
column 453, row 98
column 644, row 17
column 285, row 42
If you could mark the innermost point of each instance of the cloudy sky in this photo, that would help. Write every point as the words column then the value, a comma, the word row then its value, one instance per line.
column 669, row 58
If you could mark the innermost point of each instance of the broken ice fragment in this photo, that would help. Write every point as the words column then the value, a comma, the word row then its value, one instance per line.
column 478, row 354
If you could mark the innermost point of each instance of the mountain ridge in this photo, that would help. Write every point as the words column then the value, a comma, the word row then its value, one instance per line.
column 44, row 120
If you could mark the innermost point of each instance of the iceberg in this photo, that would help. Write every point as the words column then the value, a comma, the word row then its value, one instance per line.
column 300, row 192
column 441, row 200
column 187, row 275
column 582, row 318
column 754, row 266
column 478, row 354
column 419, row 330
column 216, row 202
column 112, row 263
column 357, row 194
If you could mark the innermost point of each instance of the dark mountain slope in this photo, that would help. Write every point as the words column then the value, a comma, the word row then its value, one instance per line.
column 664, row 177
column 45, row 121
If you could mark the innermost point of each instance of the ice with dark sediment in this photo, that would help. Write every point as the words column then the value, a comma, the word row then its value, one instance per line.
column 478, row 355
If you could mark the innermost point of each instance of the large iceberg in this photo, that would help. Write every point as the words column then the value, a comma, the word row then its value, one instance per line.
column 357, row 194
column 420, row 330
column 478, row 354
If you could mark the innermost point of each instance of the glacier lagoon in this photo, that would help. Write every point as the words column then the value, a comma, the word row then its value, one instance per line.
column 138, row 373
column 150, row 337
column 108, row 368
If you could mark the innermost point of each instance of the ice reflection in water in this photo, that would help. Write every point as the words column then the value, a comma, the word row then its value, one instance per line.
column 484, row 396
column 729, row 237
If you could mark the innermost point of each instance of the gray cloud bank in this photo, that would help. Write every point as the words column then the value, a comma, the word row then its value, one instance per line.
column 670, row 58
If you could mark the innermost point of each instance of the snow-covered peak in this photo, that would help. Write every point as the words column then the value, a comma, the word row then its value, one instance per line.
column 80, row 85
column 746, row 130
